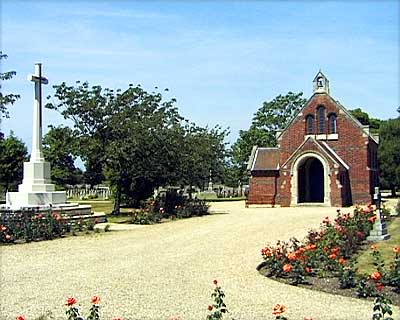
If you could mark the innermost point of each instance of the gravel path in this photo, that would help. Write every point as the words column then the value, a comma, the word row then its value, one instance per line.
column 159, row 271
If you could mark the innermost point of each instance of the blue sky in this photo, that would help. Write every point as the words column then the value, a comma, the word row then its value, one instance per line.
column 219, row 59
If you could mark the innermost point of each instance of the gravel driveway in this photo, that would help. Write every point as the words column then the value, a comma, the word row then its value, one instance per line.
column 155, row 272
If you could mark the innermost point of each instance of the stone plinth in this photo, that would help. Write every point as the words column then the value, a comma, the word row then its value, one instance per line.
column 378, row 232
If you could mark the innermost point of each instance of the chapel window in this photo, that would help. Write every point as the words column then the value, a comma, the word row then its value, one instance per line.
column 321, row 119
column 332, row 123
column 309, row 124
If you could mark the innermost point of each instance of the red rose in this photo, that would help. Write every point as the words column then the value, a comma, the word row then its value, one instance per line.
column 332, row 256
column 8, row 237
column 307, row 269
column 379, row 286
column 342, row 261
column 95, row 299
column 291, row 256
column 3, row 228
column 372, row 219
column 287, row 268
column 375, row 276
column 20, row 317
column 70, row 301
column 279, row 309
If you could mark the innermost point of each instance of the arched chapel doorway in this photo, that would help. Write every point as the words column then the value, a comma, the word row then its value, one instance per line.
column 310, row 182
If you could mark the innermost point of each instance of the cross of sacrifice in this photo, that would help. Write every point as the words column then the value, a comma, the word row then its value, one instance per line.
column 38, row 79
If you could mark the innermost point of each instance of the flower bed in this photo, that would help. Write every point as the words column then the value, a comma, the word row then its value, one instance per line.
column 330, row 253
column 32, row 225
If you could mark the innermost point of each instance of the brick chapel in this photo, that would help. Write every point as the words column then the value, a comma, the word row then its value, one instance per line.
column 324, row 156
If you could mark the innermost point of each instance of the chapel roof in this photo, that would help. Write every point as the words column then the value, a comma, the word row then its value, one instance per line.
column 264, row 159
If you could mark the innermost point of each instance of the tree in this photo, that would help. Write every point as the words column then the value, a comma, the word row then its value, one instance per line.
column 13, row 153
column 7, row 99
column 127, row 132
column 366, row 120
column 202, row 151
column 271, row 117
column 59, row 148
column 389, row 154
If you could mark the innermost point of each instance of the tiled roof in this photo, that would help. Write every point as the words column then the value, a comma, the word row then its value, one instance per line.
column 266, row 159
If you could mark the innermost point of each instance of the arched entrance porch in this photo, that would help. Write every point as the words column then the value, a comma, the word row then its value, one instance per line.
column 310, row 186
column 310, row 181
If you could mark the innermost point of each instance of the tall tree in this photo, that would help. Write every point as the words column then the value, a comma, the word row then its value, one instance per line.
column 389, row 154
column 59, row 148
column 126, row 131
column 6, row 99
column 202, row 151
column 366, row 120
column 273, row 116
column 13, row 153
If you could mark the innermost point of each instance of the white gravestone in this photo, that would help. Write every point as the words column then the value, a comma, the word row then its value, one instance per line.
column 36, row 188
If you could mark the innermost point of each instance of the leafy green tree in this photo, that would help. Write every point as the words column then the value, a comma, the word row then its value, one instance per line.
column 59, row 148
column 389, row 154
column 128, row 132
column 365, row 119
column 203, row 150
column 6, row 99
column 13, row 153
column 271, row 117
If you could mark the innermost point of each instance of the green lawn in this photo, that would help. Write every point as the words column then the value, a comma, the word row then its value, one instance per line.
column 365, row 262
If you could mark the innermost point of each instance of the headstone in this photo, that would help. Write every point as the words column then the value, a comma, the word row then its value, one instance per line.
column 379, row 230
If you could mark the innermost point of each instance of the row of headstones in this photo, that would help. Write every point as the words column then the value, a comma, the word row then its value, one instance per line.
column 89, row 193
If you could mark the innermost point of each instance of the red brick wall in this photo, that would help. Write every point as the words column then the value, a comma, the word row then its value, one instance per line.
column 351, row 146
column 262, row 189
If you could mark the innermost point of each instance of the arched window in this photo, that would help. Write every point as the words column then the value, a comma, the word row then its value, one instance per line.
column 321, row 119
column 309, row 124
column 332, row 123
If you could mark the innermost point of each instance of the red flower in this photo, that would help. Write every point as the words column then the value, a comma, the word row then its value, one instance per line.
column 375, row 276
column 326, row 220
column 379, row 286
column 20, row 317
column 95, row 300
column 215, row 282
column 372, row 219
column 266, row 252
column 307, row 269
column 287, row 268
column 279, row 309
column 311, row 247
column 335, row 250
column 3, row 228
column 210, row 308
column 70, row 301
column 360, row 234
column 373, row 247
column 332, row 256
column 8, row 237
column 342, row 261
column 396, row 249
column 291, row 256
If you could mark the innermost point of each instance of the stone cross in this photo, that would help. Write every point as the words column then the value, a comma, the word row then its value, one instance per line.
column 38, row 79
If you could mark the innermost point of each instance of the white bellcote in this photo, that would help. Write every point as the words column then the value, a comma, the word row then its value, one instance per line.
column 320, row 83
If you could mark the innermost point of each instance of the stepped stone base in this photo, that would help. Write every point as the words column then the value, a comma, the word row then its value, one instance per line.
column 33, row 199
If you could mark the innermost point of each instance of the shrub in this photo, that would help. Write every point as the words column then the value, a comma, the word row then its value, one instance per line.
column 30, row 225
column 323, row 253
